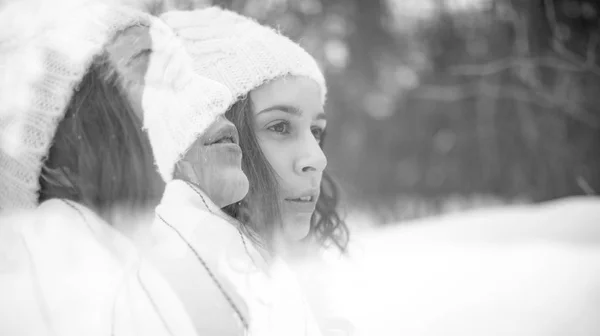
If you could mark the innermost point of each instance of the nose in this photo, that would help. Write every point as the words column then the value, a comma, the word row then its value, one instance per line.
column 222, row 120
column 213, row 129
column 310, row 158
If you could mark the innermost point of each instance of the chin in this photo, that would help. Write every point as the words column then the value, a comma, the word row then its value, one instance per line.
column 229, row 188
column 239, row 186
column 297, row 228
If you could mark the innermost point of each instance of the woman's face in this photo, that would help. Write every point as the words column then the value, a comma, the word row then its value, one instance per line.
column 289, row 122
column 214, row 163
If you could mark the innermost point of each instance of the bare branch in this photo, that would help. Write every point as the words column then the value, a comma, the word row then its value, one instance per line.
column 482, row 89
column 477, row 89
column 522, row 45
column 509, row 63
column 561, row 89
column 587, row 64
column 591, row 50
column 585, row 186
column 551, row 16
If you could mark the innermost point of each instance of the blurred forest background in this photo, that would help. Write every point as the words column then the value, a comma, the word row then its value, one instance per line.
column 442, row 104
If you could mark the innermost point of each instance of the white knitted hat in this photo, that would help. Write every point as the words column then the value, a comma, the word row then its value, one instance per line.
column 178, row 104
column 238, row 51
column 41, row 67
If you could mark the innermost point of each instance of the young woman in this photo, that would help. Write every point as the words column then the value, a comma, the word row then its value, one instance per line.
column 74, row 156
column 279, row 113
column 222, row 280
column 107, row 70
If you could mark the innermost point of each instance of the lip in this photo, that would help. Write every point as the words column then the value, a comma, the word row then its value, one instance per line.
column 227, row 147
column 293, row 203
column 225, row 130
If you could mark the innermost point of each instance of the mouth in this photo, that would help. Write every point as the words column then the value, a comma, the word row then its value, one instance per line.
column 302, row 203
column 306, row 197
column 226, row 134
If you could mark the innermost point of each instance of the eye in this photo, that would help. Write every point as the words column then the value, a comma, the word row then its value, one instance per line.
column 137, row 56
column 318, row 133
column 282, row 127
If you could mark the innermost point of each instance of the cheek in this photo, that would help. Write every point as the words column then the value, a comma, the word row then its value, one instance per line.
column 278, row 154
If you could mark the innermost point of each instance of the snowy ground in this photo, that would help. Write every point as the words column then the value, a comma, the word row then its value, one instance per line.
column 521, row 270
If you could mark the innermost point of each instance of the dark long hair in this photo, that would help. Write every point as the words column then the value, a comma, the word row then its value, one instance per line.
column 100, row 156
column 261, row 206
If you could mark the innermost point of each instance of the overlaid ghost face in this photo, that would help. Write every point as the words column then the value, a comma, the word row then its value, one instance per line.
column 213, row 163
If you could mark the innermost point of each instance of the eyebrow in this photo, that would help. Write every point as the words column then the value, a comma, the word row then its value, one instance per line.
column 291, row 110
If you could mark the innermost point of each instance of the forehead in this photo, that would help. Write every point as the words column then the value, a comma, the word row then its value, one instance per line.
column 128, row 52
column 300, row 92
